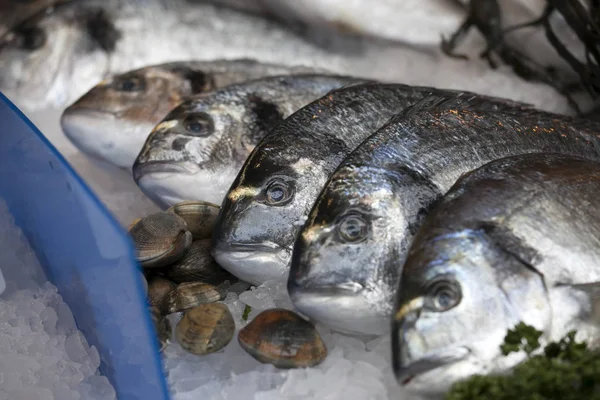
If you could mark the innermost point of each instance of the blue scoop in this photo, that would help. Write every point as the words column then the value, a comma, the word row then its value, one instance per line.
column 84, row 252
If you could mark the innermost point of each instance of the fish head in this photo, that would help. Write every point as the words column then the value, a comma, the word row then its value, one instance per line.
column 343, row 271
column 113, row 119
column 264, row 209
column 39, row 56
column 459, row 294
column 196, row 151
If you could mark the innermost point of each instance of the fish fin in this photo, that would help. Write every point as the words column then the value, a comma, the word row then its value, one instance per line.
column 429, row 194
column 266, row 115
column 452, row 99
column 355, row 83
column 101, row 29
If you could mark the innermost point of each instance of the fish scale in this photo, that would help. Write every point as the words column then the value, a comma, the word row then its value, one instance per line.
column 253, row 239
column 231, row 121
column 114, row 118
column 513, row 240
column 428, row 146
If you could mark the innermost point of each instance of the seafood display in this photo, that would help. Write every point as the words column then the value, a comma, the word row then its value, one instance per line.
column 284, row 174
column 353, row 245
column 112, row 121
column 204, row 324
column 305, row 196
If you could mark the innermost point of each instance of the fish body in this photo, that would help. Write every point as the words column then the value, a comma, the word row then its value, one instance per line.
column 415, row 22
column 280, row 180
column 516, row 240
column 54, row 57
column 112, row 120
column 350, row 252
column 197, row 150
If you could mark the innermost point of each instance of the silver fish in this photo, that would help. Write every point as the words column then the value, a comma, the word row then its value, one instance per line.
column 198, row 149
column 517, row 240
column 284, row 174
column 351, row 250
column 112, row 121
column 54, row 57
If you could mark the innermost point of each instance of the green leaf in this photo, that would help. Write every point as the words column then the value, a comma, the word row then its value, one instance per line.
column 566, row 370
column 246, row 312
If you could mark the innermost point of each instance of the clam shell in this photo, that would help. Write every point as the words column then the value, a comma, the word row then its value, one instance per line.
column 200, row 217
column 198, row 265
column 162, row 327
column 205, row 329
column 191, row 294
column 284, row 339
column 160, row 239
column 158, row 288
column 135, row 221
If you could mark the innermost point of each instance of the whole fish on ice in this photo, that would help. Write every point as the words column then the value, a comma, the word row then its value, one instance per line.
column 197, row 150
column 349, row 253
column 516, row 240
column 284, row 174
column 112, row 120
column 54, row 57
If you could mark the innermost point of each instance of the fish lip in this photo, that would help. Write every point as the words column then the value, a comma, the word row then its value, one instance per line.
column 255, row 263
column 405, row 374
column 142, row 170
column 89, row 112
column 240, row 248
column 325, row 290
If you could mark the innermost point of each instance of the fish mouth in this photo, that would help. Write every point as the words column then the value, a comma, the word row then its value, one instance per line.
column 75, row 121
column 168, row 183
column 88, row 112
column 344, row 307
column 406, row 373
column 253, row 262
column 163, row 169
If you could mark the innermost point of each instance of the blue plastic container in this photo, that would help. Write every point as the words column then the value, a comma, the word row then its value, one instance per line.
column 84, row 252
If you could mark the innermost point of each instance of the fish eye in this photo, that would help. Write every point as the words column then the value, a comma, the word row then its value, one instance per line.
column 130, row 84
column 444, row 295
column 278, row 193
column 199, row 124
column 30, row 37
column 353, row 228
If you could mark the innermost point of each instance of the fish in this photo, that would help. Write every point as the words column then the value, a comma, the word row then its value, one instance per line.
column 515, row 240
column 51, row 58
column 197, row 150
column 349, row 253
column 327, row 21
column 273, row 192
column 112, row 121
column 13, row 12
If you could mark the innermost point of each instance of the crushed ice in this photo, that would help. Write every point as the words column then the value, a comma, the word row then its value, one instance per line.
column 44, row 355
column 354, row 368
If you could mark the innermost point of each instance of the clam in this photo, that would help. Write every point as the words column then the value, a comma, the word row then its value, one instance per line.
column 198, row 265
column 160, row 239
column 162, row 327
column 200, row 217
column 189, row 295
column 282, row 338
column 135, row 221
column 158, row 288
column 205, row 329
